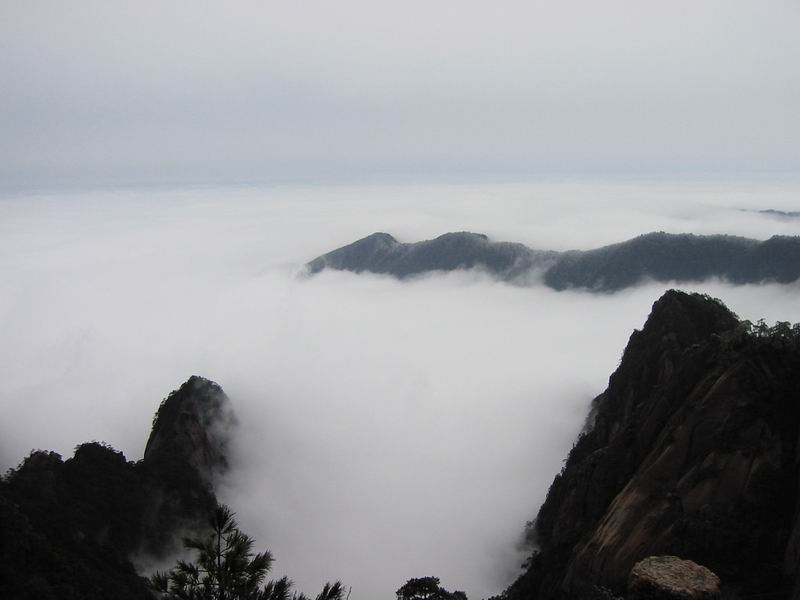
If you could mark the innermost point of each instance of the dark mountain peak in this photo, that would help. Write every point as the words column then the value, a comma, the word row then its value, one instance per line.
column 677, row 322
column 690, row 317
column 75, row 523
column 98, row 453
column 691, row 451
column 379, row 237
column 381, row 253
column 192, row 426
column 374, row 241
column 366, row 254
column 41, row 460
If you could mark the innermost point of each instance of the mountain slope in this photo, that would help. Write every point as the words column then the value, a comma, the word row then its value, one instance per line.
column 692, row 451
column 658, row 256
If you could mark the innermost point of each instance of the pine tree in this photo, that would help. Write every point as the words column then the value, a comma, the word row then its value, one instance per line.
column 227, row 569
column 427, row 588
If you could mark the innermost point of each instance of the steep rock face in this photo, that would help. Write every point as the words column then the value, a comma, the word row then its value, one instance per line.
column 185, row 452
column 192, row 425
column 658, row 256
column 692, row 451
column 68, row 527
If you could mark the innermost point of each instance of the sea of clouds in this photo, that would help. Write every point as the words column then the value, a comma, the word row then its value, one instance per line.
column 388, row 429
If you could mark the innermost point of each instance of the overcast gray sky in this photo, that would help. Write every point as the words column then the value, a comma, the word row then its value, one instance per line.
column 111, row 91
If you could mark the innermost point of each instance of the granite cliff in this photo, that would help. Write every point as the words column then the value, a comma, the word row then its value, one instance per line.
column 691, row 451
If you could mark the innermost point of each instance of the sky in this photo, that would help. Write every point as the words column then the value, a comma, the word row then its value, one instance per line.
column 108, row 92
column 389, row 429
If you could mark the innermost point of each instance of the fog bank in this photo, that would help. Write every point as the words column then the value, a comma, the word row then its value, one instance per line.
column 389, row 429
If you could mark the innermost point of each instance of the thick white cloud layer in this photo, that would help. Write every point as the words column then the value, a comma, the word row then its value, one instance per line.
column 246, row 90
column 389, row 430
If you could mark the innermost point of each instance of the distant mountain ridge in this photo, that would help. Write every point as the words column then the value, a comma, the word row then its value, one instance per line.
column 779, row 214
column 382, row 253
column 654, row 256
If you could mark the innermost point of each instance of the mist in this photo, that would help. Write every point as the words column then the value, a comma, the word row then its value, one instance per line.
column 388, row 429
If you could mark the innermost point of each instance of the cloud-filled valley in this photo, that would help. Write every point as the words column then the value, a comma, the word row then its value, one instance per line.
column 388, row 429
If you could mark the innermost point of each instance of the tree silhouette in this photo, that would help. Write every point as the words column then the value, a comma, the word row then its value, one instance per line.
column 427, row 588
column 227, row 569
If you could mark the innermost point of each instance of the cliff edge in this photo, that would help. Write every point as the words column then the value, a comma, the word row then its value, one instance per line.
column 691, row 451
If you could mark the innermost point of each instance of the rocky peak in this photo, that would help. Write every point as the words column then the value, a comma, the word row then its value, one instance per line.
column 76, row 522
column 192, row 426
column 366, row 254
column 379, row 238
column 691, row 452
column 688, row 316
column 677, row 322
column 375, row 242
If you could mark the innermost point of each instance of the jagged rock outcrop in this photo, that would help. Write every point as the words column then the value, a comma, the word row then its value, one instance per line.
column 69, row 527
column 655, row 256
column 691, row 451
column 192, row 426
column 671, row 578
column 185, row 452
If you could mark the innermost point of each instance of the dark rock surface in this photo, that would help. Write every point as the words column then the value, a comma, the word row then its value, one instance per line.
column 185, row 452
column 653, row 256
column 671, row 578
column 192, row 426
column 69, row 527
column 691, row 451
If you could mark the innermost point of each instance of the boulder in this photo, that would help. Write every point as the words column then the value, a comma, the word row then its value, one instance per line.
column 671, row 578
